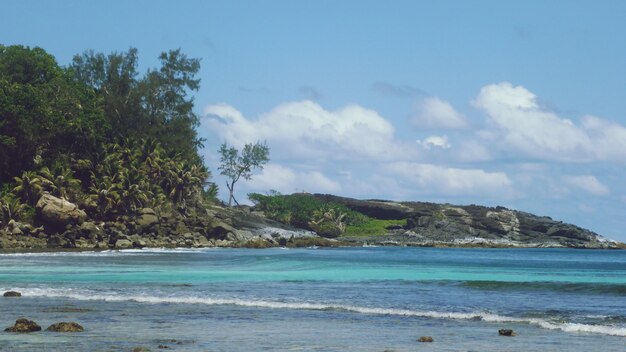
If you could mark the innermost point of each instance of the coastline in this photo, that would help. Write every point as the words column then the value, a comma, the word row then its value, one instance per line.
column 425, row 225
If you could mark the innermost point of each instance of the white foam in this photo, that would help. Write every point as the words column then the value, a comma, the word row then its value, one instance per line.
column 84, row 295
column 108, row 252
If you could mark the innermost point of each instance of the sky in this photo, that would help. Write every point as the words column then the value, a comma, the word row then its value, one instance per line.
column 514, row 103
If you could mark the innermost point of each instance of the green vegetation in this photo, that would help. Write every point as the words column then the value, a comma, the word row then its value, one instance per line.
column 234, row 166
column 305, row 211
column 373, row 227
column 99, row 134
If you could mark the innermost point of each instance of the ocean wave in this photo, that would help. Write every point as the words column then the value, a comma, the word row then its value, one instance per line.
column 478, row 316
column 108, row 252
column 573, row 287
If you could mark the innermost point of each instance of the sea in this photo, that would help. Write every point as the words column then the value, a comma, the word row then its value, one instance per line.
column 318, row 299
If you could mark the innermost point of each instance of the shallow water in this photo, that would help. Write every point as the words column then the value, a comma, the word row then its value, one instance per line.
column 358, row 299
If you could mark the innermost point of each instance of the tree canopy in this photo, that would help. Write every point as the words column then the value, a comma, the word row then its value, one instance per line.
column 43, row 111
column 235, row 166
column 154, row 105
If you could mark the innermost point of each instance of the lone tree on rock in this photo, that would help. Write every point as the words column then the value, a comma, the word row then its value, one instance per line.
column 235, row 166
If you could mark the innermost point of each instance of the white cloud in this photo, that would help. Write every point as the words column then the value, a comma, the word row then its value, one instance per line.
column 529, row 128
column 433, row 112
column 435, row 141
column 587, row 183
column 472, row 151
column 435, row 179
column 286, row 180
column 305, row 130
column 608, row 138
column 522, row 125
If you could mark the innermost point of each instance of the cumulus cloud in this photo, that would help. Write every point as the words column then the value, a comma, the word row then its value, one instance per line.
column 435, row 142
column 305, row 130
column 433, row 112
column 530, row 128
column 286, row 180
column 525, row 126
column 435, row 179
column 587, row 183
column 608, row 138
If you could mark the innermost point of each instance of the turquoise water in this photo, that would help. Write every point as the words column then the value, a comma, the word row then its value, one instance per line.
column 319, row 299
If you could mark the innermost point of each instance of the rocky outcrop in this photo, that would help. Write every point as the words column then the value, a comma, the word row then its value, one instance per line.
column 427, row 224
column 56, row 213
column 65, row 327
column 12, row 294
column 23, row 325
column 430, row 224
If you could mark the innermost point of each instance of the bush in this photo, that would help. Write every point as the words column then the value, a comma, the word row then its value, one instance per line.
column 373, row 227
column 300, row 210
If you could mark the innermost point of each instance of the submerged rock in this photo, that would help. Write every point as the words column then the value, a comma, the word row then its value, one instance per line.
column 65, row 327
column 425, row 339
column 12, row 294
column 506, row 332
column 141, row 349
column 24, row 325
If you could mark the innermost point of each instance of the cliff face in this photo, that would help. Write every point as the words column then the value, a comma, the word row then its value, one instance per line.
column 445, row 224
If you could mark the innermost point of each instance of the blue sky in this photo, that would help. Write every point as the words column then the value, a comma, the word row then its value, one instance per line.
column 521, row 104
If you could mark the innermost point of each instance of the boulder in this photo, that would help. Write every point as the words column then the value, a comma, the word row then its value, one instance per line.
column 65, row 327
column 12, row 294
column 147, row 217
column 57, row 212
column 220, row 229
column 24, row 325
column 425, row 339
column 123, row 244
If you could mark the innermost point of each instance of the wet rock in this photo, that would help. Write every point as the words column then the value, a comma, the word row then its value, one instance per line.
column 123, row 244
column 506, row 332
column 24, row 325
column 65, row 327
column 141, row 349
column 425, row 339
column 12, row 294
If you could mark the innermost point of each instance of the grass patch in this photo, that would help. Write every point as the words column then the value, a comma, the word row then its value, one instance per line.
column 373, row 227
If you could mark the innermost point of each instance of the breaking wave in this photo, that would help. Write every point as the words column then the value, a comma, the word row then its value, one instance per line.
column 84, row 295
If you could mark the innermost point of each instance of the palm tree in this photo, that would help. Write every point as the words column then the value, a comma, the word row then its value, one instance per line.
column 29, row 187
column 60, row 182
column 106, row 197
column 134, row 190
column 11, row 209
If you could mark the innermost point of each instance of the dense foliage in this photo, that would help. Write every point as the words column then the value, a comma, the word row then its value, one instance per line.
column 98, row 134
column 44, row 112
column 305, row 211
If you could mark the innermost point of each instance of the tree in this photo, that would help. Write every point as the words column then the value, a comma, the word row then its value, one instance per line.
column 44, row 111
column 235, row 166
column 156, row 105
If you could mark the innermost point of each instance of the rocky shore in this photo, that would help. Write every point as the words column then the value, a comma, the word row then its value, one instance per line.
column 62, row 225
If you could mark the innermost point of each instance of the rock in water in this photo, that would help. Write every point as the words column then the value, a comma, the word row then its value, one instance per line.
column 506, row 332
column 425, row 339
column 57, row 212
column 24, row 325
column 12, row 294
column 65, row 327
